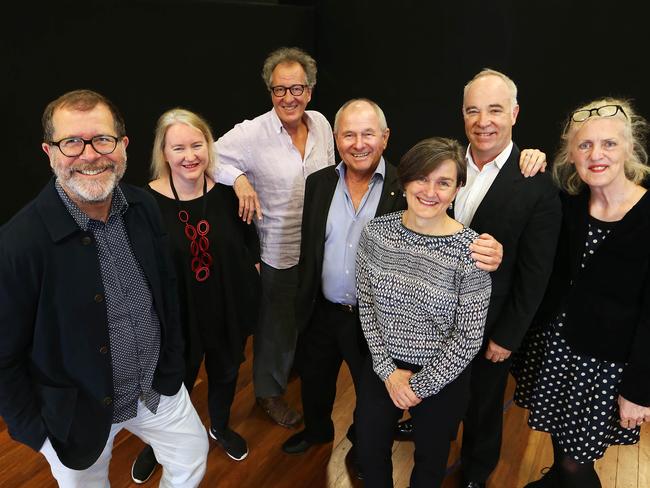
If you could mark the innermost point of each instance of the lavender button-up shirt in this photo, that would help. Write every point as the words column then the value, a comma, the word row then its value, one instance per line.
column 262, row 149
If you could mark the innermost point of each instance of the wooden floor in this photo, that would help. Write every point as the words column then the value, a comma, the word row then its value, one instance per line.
column 524, row 452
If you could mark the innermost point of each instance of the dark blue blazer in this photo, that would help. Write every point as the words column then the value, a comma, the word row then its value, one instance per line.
column 55, row 362
column 319, row 191
column 524, row 215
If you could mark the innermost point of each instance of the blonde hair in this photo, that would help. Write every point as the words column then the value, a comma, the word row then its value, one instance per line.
column 159, row 165
column 636, row 162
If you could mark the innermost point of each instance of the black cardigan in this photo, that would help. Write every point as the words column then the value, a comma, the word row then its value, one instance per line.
column 608, row 301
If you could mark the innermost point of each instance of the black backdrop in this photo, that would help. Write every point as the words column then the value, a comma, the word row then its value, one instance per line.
column 411, row 56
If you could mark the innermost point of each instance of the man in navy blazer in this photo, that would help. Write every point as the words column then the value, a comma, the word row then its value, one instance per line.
column 339, row 201
column 91, row 340
column 524, row 215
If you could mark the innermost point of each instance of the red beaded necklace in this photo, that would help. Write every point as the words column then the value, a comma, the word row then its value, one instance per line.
column 201, row 260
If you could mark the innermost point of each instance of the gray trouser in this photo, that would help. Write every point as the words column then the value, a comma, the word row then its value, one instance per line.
column 274, row 343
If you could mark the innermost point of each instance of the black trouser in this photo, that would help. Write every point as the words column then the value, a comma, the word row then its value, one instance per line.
column 435, row 424
column 222, row 374
column 483, row 423
column 333, row 335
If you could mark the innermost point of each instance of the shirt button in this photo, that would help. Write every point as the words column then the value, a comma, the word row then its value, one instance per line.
column 99, row 298
column 107, row 401
column 103, row 349
column 85, row 240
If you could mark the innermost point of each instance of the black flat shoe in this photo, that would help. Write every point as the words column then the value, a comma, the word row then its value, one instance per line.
column 404, row 430
column 297, row 444
column 549, row 479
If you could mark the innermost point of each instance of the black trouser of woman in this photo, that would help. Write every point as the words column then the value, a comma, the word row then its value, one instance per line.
column 222, row 372
column 435, row 421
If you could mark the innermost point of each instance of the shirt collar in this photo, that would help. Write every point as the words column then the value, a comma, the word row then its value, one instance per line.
column 499, row 161
column 379, row 170
column 276, row 123
column 119, row 205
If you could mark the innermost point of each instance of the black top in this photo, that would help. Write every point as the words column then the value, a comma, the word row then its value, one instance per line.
column 607, row 301
column 222, row 310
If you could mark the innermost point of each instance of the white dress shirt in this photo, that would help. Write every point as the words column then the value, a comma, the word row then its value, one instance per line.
column 263, row 150
column 478, row 183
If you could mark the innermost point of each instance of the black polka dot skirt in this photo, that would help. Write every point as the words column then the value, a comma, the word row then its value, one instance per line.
column 572, row 396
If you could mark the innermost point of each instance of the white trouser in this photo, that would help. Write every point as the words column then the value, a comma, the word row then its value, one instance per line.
column 176, row 434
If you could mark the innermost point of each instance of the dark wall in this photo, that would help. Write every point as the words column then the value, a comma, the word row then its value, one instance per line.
column 411, row 56
column 145, row 56
column 414, row 57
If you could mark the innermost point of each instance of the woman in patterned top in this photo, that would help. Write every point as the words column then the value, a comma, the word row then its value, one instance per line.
column 423, row 304
column 583, row 370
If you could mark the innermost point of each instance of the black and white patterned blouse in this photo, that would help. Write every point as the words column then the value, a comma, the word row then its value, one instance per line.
column 422, row 300
column 133, row 325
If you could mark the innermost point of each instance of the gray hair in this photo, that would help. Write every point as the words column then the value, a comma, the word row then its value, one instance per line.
column 380, row 113
column 636, row 129
column 290, row 55
column 491, row 72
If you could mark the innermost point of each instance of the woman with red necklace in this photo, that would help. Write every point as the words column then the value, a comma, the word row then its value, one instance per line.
column 215, row 255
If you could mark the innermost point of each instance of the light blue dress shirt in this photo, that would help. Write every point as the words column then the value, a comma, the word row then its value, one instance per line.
column 342, row 233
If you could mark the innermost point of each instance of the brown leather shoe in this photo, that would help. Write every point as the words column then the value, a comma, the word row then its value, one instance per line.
column 281, row 413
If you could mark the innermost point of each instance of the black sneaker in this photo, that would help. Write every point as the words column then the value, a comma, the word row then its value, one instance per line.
column 234, row 444
column 144, row 466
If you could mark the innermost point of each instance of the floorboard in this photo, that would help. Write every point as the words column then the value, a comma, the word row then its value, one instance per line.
column 524, row 454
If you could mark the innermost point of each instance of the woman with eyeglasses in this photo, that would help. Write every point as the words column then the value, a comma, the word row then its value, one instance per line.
column 584, row 369
column 216, row 257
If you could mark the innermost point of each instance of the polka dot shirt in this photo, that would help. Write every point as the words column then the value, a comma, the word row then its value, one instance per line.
column 133, row 325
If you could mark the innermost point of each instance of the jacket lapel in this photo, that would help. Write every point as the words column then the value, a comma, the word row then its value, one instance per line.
column 324, row 201
column 500, row 192
column 389, row 192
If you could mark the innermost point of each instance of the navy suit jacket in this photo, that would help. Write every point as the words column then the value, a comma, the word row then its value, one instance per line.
column 55, row 363
column 524, row 215
column 319, row 191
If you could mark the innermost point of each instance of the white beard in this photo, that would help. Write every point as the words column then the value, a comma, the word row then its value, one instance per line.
column 85, row 189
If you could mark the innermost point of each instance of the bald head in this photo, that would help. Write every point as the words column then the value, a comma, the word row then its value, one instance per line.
column 361, row 136
column 358, row 104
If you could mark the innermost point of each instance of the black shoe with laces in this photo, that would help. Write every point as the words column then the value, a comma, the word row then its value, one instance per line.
column 234, row 444
column 143, row 466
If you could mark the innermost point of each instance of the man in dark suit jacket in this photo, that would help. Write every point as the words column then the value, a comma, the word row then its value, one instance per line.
column 91, row 340
column 339, row 201
column 524, row 215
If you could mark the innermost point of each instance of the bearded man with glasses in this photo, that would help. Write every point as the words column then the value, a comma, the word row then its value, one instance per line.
column 91, row 339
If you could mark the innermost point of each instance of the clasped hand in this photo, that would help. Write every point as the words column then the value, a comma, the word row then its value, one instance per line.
column 399, row 389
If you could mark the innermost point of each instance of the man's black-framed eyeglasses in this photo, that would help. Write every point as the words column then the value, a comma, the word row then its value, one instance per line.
column 602, row 111
column 295, row 90
column 74, row 146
